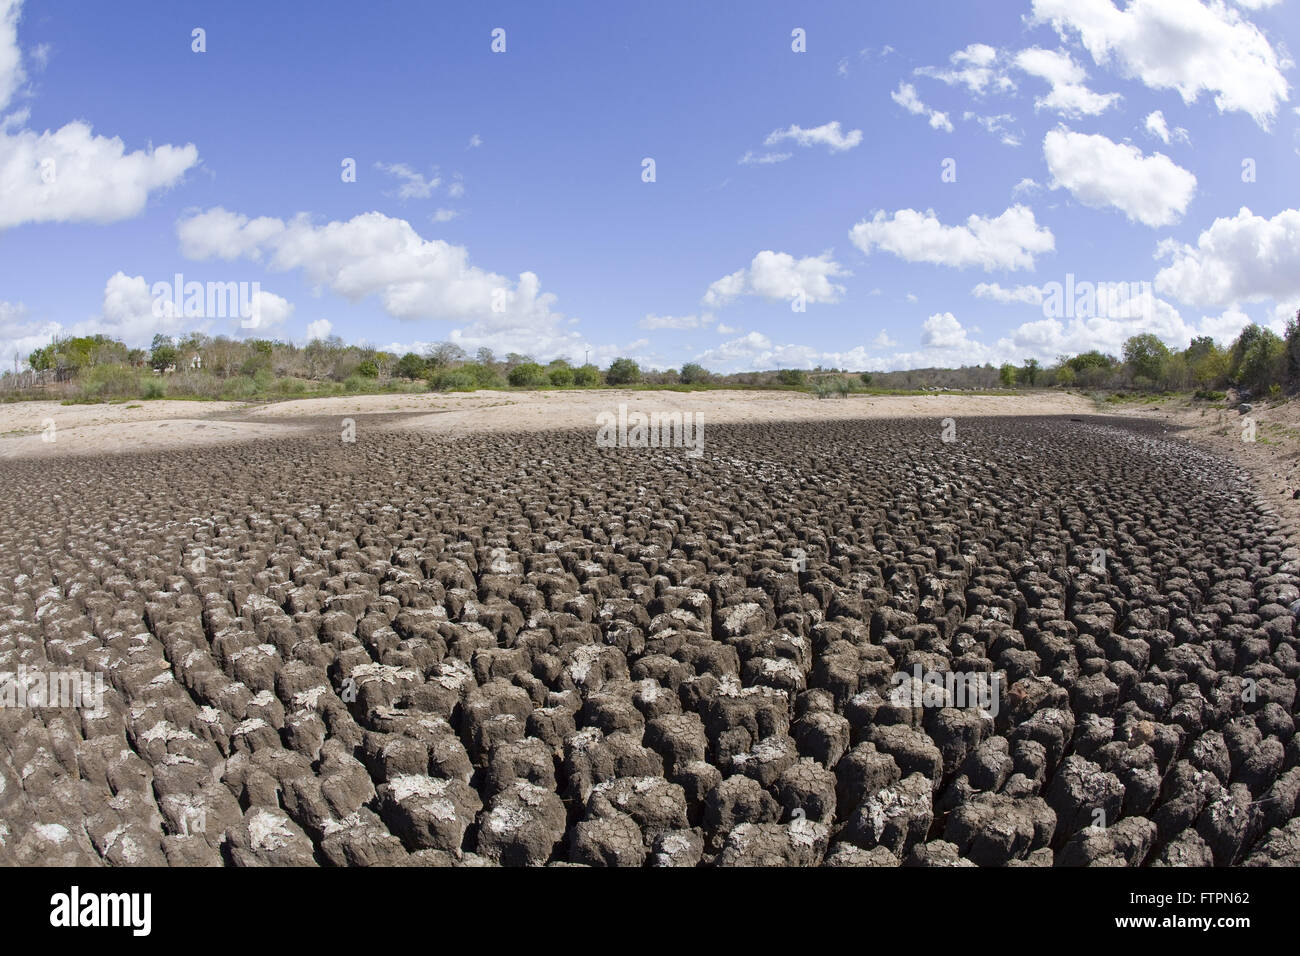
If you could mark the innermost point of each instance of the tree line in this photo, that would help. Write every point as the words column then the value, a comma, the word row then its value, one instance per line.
column 97, row 367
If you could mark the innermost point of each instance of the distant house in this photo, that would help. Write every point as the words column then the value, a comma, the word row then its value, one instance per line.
column 196, row 362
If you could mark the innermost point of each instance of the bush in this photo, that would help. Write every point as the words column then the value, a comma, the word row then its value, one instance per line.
column 792, row 376
column 152, row 388
column 866, row 378
column 586, row 376
column 623, row 371
column 452, row 380
column 528, row 375
column 561, row 376
column 100, row 383
column 1205, row 395
column 368, row 369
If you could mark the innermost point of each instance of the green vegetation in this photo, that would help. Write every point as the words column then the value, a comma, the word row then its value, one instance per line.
column 96, row 368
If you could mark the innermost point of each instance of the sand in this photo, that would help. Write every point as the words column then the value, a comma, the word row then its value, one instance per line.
column 131, row 426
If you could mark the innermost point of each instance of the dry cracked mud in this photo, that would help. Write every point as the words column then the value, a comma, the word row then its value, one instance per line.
column 521, row 649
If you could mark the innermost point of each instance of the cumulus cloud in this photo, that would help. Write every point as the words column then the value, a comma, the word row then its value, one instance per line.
column 319, row 329
column 1009, row 241
column 906, row 97
column 1069, row 95
column 412, row 277
column 1182, row 45
column 1152, row 190
column 269, row 311
column 444, row 215
column 779, row 275
column 1245, row 258
column 70, row 174
column 828, row 134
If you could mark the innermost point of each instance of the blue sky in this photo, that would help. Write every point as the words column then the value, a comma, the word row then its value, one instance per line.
column 500, row 197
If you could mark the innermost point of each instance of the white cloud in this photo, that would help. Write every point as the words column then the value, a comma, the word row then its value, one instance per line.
column 319, row 329
column 978, row 67
column 11, row 61
column 762, row 159
column 475, row 141
column 70, row 174
column 128, row 313
column 412, row 277
column 1027, row 186
column 1009, row 241
column 883, row 340
column 724, row 329
column 1026, row 294
column 677, row 322
column 411, row 184
column 779, row 275
column 1157, row 127
column 1183, row 45
column 906, row 97
column 1246, row 258
column 1069, row 95
column 1151, row 190
column 269, row 311
column 444, row 215
column 828, row 134
column 21, row 335
column 943, row 331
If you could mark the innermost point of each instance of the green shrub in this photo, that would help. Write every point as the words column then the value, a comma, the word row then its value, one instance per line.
column 586, row 376
column 368, row 369
column 792, row 376
column 528, row 375
column 152, row 388
column 561, row 377
column 623, row 371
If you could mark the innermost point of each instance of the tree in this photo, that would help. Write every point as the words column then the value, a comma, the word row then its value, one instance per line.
column 162, row 353
column 866, row 377
column 1030, row 371
column 792, row 376
column 484, row 356
column 445, row 354
column 1007, row 375
column 410, row 365
column 561, row 376
column 623, row 371
column 1146, row 355
column 692, row 374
